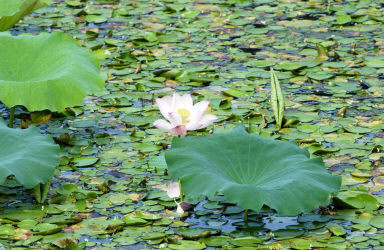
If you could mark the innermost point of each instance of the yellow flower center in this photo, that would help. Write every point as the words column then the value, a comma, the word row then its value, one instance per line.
column 184, row 114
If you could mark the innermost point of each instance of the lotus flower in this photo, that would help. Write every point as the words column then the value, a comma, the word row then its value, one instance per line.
column 173, row 189
column 182, row 114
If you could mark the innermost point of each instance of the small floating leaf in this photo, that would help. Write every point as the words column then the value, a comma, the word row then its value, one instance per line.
column 377, row 221
column 356, row 199
column 194, row 233
column 246, row 241
column 343, row 19
column 85, row 161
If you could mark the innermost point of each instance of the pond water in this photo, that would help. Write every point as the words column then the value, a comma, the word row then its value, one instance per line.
column 109, row 189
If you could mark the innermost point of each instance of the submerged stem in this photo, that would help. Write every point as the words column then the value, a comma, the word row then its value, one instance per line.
column 11, row 117
column 246, row 215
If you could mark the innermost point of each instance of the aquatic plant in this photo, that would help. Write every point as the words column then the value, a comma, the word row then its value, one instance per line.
column 251, row 171
column 174, row 192
column 12, row 11
column 46, row 71
column 183, row 114
column 277, row 99
column 27, row 155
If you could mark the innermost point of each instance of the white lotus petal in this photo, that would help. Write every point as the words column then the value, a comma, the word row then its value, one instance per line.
column 179, row 209
column 197, row 113
column 163, row 124
column 182, row 114
column 205, row 121
column 201, row 107
column 167, row 99
column 164, row 106
column 193, row 125
column 174, row 118
column 186, row 101
column 176, row 101
column 179, row 130
column 173, row 190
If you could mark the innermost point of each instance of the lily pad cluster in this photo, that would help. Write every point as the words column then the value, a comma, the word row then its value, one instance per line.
column 109, row 188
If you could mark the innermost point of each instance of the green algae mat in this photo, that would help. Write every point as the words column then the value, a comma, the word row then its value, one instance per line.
column 109, row 191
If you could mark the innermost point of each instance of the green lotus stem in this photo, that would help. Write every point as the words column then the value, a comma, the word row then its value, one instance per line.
column 181, row 192
column 246, row 215
column 11, row 117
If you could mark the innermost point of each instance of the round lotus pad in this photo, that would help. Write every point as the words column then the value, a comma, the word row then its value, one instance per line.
column 251, row 171
column 27, row 155
column 11, row 11
column 47, row 71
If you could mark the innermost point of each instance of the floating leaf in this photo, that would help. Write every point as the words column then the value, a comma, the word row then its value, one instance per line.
column 322, row 53
column 377, row 221
column 356, row 199
column 343, row 19
column 66, row 243
column 11, row 11
column 215, row 241
column 319, row 76
column 375, row 63
column 235, row 92
column 6, row 230
column 251, row 171
column 287, row 233
column 85, row 161
column 187, row 244
column 50, row 72
column 194, row 233
column 27, row 155
column 277, row 99
column 46, row 229
column 337, row 231
column 247, row 241
column 263, row 64
column 21, row 215
column 290, row 66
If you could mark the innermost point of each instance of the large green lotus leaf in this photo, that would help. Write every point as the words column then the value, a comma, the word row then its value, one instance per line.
column 251, row 171
column 27, row 154
column 11, row 11
column 47, row 71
